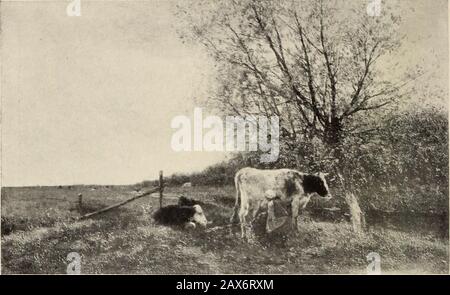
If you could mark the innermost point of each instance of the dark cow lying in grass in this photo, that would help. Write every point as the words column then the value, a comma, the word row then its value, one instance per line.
column 186, row 214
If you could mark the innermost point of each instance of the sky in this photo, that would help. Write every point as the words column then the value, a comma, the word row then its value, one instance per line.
column 89, row 99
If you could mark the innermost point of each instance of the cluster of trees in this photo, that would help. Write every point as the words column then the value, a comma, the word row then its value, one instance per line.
column 215, row 175
column 323, row 68
column 404, row 167
column 311, row 64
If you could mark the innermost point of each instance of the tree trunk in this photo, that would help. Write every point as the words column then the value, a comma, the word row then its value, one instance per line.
column 357, row 217
column 356, row 214
column 333, row 132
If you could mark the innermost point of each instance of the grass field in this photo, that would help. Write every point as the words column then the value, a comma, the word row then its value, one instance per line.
column 39, row 229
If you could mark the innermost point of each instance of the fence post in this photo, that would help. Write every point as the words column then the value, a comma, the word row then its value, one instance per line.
column 161, row 188
column 80, row 204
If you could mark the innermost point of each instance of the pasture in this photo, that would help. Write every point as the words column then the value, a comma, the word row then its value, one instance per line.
column 39, row 229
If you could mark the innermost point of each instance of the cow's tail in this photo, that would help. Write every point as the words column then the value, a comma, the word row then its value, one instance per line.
column 237, row 203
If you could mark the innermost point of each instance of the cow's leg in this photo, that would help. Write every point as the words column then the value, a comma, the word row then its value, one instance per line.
column 257, row 209
column 242, row 216
column 295, row 207
column 237, row 201
column 304, row 201
column 297, row 204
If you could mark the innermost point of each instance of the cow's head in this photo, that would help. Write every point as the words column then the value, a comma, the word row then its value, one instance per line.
column 198, row 216
column 316, row 183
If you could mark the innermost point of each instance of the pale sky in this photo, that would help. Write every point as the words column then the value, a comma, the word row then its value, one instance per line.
column 89, row 99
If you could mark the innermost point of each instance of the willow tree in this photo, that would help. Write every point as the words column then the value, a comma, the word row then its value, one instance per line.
column 318, row 65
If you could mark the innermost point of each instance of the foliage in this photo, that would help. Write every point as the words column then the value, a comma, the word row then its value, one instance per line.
column 403, row 167
column 323, row 68
column 314, row 64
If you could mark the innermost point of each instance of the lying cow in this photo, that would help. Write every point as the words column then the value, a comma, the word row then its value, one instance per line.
column 181, row 215
column 287, row 185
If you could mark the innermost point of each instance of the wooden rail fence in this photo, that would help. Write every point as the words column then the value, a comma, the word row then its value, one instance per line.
column 159, row 188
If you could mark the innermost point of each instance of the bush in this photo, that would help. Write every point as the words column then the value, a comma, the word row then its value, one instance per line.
column 401, row 167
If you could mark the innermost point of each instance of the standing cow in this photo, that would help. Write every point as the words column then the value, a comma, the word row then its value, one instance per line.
column 255, row 187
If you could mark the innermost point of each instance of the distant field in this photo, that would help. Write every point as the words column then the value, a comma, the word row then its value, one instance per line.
column 39, row 229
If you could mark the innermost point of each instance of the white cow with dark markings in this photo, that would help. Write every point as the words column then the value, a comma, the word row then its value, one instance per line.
column 256, row 187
